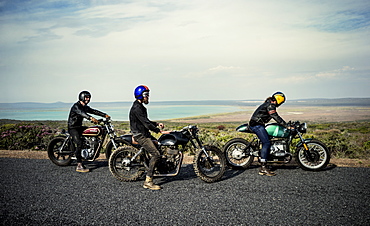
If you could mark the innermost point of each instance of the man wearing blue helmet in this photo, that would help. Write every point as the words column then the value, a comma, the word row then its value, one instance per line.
column 263, row 114
column 140, row 127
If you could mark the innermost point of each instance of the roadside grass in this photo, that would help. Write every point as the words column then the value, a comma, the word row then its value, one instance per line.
column 344, row 139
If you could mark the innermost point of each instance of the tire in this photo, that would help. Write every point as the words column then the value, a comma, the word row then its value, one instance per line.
column 318, row 159
column 209, row 169
column 110, row 148
column 235, row 155
column 57, row 156
column 121, row 166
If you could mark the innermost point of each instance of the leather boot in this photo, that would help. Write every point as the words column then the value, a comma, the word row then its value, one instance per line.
column 81, row 168
column 148, row 183
column 265, row 171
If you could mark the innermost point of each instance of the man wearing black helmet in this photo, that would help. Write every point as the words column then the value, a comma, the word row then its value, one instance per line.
column 263, row 114
column 140, row 127
column 77, row 113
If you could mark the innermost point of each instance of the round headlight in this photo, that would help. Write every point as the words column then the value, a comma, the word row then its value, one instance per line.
column 303, row 128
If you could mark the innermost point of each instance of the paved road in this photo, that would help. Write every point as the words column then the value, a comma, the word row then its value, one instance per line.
column 36, row 192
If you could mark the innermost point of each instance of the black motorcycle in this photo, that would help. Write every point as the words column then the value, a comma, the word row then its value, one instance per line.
column 61, row 150
column 310, row 154
column 129, row 162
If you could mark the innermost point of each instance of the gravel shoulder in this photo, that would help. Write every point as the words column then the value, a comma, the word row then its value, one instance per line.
column 28, row 154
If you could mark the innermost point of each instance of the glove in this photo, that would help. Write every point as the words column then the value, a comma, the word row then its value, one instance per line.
column 94, row 120
column 107, row 116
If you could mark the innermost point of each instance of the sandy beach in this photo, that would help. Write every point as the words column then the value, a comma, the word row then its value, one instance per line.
column 291, row 113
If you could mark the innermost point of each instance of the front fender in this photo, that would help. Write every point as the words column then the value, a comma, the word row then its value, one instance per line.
column 305, row 141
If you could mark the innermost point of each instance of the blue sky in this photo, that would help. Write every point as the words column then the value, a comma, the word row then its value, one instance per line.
column 183, row 50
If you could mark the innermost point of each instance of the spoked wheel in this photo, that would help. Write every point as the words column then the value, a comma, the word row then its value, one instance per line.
column 316, row 158
column 236, row 154
column 124, row 166
column 58, row 155
column 210, row 168
column 110, row 147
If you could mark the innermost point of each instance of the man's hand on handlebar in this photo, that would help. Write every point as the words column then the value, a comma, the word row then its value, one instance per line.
column 94, row 120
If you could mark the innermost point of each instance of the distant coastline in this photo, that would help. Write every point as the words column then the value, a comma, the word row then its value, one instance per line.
column 310, row 102
column 167, row 110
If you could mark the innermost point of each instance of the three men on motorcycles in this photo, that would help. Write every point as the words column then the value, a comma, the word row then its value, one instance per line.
column 141, row 126
column 263, row 114
column 78, row 112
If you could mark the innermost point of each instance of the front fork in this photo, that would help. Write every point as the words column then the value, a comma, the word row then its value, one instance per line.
column 303, row 143
column 307, row 153
column 200, row 146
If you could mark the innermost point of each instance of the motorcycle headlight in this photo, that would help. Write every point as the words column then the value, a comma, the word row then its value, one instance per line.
column 303, row 128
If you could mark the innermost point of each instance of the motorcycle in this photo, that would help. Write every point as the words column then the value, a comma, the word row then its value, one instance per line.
column 310, row 154
column 129, row 162
column 61, row 150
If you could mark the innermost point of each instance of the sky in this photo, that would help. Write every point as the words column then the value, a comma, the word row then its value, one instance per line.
column 51, row 50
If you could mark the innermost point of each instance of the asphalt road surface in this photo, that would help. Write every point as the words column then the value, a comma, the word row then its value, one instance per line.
column 37, row 192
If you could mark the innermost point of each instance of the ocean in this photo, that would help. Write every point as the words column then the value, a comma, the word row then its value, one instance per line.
column 158, row 110
column 117, row 110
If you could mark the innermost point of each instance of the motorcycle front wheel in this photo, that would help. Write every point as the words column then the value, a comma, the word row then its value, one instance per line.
column 59, row 156
column 236, row 153
column 123, row 166
column 212, row 168
column 316, row 158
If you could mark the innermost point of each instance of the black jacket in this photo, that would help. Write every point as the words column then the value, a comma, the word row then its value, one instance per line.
column 264, row 113
column 78, row 112
column 139, row 122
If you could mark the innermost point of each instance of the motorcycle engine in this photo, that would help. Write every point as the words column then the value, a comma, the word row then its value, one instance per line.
column 169, row 160
column 90, row 144
column 278, row 148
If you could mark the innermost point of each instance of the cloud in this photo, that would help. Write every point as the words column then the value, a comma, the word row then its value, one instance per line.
column 179, row 43
column 219, row 70
column 335, row 73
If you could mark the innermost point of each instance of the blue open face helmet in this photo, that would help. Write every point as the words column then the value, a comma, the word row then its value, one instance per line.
column 141, row 92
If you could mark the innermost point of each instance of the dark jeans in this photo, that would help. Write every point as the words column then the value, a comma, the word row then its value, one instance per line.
column 147, row 143
column 261, row 133
column 76, row 138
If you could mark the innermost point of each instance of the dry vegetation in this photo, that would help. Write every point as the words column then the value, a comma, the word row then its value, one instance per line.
column 344, row 128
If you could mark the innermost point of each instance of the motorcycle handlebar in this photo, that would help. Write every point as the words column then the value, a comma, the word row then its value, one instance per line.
column 103, row 120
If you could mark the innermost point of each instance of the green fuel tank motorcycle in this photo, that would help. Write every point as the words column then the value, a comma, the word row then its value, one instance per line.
column 310, row 154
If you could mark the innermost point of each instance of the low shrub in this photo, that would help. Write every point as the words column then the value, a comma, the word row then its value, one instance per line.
column 23, row 136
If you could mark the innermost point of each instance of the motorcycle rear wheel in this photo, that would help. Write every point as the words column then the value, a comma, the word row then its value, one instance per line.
column 317, row 159
column 56, row 155
column 110, row 148
column 210, row 169
column 123, row 167
column 235, row 154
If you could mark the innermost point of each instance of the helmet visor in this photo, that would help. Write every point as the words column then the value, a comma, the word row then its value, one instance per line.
column 279, row 99
column 145, row 94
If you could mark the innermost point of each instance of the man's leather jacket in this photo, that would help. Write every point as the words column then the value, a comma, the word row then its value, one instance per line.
column 78, row 112
column 139, row 122
column 264, row 113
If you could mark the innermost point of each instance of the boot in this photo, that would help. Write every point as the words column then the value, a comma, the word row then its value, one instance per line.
column 81, row 168
column 148, row 183
column 265, row 171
